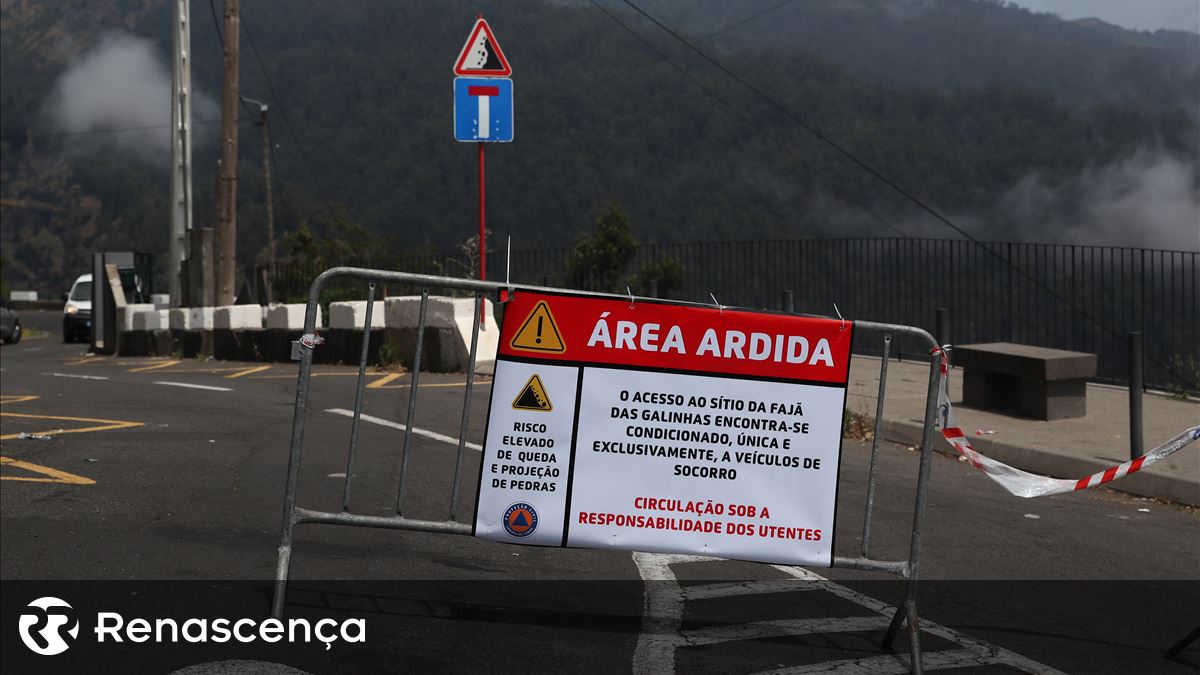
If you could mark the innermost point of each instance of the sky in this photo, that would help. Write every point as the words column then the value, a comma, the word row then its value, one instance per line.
column 1137, row 14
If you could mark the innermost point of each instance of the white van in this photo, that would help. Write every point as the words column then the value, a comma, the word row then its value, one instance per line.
column 77, row 312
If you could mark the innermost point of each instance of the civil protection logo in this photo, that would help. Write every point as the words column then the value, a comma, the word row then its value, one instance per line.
column 43, row 624
column 520, row 520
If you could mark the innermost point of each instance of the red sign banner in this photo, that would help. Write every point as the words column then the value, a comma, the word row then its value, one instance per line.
column 683, row 338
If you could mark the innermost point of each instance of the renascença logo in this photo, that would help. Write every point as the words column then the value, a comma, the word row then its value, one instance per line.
column 43, row 624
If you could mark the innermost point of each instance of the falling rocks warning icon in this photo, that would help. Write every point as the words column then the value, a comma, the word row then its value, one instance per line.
column 533, row 397
column 481, row 56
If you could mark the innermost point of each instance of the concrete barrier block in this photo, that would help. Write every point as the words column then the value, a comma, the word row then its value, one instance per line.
column 344, row 346
column 463, row 311
column 237, row 317
column 291, row 317
column 453, row 318
column 192, row 344
column 137, row 320
column 402, row 311
column 352, row 315
column 192, row 318
column 125, row 316
column 23, row 296
column 154, row 319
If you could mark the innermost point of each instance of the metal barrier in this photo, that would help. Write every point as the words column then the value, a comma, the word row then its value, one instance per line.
column 294, row 515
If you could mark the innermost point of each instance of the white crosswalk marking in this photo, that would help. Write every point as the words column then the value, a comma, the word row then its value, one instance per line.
column 665, row 599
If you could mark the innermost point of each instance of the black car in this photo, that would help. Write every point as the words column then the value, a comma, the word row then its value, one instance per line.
column 10, row 326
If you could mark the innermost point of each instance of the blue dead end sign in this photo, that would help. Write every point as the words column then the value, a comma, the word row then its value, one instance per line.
column 483, row 109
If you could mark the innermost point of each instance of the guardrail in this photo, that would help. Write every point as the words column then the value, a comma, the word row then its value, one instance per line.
column 1078, row 298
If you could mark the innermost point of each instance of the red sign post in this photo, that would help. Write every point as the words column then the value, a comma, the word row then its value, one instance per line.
column 481, row 57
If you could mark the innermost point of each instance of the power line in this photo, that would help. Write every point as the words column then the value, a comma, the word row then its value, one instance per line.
column 886, row 181
column 286, row 125
column 748, row 19
column 795, row 118
column 732, row 108
column 278, row 106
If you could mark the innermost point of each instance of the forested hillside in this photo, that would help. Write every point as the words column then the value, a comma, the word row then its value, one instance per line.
column 1013, row 125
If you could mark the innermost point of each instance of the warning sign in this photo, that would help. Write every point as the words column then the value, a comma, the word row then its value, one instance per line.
column 533, row 397
column 539, row 332
column 481, row 56
column 676, row 429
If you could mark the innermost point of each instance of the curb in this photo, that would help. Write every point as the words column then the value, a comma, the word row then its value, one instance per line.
column 1142, row 483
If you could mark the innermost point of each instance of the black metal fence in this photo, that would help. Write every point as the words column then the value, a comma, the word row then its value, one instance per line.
column 1081, row 298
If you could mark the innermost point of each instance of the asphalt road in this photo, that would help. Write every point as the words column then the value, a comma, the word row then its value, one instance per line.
column 173, row 495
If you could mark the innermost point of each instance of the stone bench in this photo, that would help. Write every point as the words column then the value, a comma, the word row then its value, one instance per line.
column 1042, row 383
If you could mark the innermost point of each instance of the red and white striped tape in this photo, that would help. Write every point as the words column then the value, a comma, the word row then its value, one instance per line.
column 1025, row 484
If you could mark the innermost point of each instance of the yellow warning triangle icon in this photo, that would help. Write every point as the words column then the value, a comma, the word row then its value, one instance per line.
column 539, row 333
column 533, row 397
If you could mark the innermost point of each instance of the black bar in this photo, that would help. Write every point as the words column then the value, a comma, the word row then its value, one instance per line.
column 1135, row 395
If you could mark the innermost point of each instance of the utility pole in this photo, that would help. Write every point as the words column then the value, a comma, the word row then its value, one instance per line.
column 266, row 160
column 226, row 234
column 181, row 145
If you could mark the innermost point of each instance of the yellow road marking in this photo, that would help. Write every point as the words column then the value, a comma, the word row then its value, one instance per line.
column 377, row 384
column 105, row 425
column 381, row 383
column 86, row 360
column 436, row 384
column 156, row 366
column 55, row 476
column 213, row 370
column 292, row 377
column 247, row 371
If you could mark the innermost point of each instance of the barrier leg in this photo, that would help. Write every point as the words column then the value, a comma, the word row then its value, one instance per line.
column 914, row 636
column 872, row 470
column 412, row 400
column 284, row 562
column 466, row 414
column 359, row 391
column 282, row 567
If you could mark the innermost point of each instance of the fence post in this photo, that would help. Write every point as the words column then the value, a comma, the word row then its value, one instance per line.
column 943, row 325
column 653, row 290
column 789, row 302
column 1135, row 394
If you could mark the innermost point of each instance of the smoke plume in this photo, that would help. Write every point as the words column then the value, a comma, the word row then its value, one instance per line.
column 117, row 96
column 1150, row 199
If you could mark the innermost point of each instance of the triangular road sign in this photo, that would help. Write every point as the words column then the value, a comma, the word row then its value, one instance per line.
column 539, row 333
column 481, row 56
column 533, row 397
